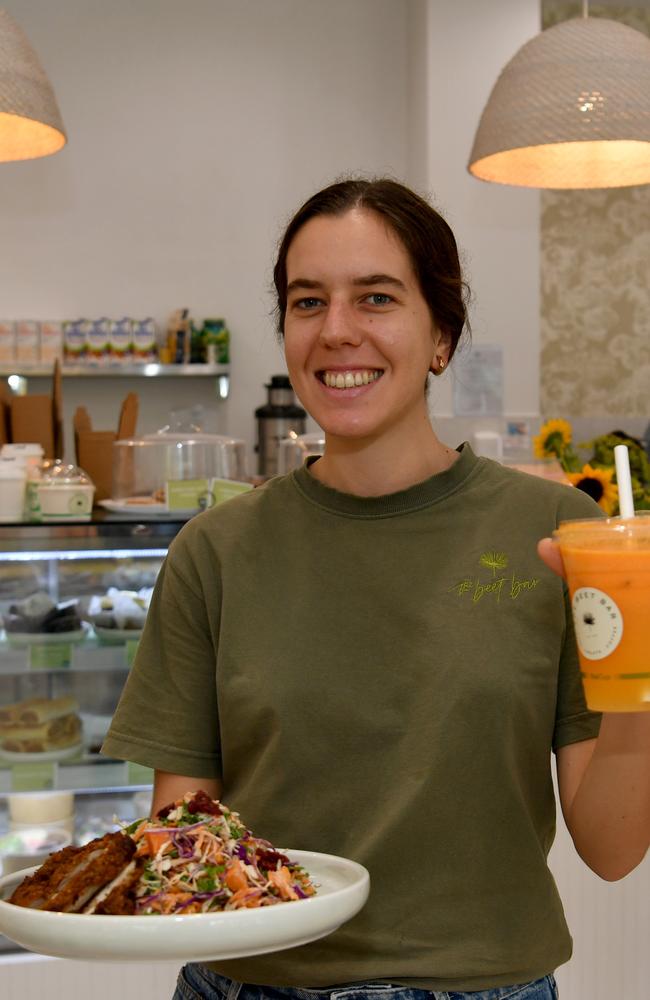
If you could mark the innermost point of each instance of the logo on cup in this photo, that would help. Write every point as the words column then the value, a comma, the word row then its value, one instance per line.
column 598, row 622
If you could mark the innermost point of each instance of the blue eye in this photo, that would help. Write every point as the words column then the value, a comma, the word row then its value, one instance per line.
column 379, row 299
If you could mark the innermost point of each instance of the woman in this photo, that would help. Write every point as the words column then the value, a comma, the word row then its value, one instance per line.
column 368, row 658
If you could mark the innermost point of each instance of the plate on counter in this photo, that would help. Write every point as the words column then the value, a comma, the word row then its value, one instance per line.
column 116, row 636
column 342, row 890
column 22, row 639
column 13, row 757
column 144, row 509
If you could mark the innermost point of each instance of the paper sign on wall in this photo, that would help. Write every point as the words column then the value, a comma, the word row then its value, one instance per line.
column 478, row 382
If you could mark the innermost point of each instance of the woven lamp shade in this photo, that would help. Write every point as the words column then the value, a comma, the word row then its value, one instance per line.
column 30, row 121
column 570, row 110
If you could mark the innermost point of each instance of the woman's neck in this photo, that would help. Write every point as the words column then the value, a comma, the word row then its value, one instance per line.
column 377, row 468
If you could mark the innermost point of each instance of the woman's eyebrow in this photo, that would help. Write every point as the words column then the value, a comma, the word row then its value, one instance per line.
column 302, row 283
column 379, row 279
column 364, row 280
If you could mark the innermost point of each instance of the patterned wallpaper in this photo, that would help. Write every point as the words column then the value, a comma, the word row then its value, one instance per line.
column 595, row 277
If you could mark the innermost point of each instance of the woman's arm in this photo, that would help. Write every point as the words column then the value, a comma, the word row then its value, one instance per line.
column 167, row 788
column 605, row 794
column 605, row 783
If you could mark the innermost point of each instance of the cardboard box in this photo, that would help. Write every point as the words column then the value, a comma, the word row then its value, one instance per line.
column 39, row 419
column 5, row 413
column 94, row 449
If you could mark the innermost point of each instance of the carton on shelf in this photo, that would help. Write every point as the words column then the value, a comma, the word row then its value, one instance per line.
column 38, row 419
column 98, row 342
column 75, row 341
column 7, row 340
column 94, row 449
column 51, row 340
column 27, row 340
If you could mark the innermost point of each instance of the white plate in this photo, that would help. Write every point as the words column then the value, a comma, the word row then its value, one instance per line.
column 120, row 507
column 116, row 636
column 158, row 509
column 44, row 755
column 21, row 639
column 195, row 937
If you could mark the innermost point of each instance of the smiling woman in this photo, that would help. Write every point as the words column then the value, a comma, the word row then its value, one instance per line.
column 370, row 301
column 367, row 656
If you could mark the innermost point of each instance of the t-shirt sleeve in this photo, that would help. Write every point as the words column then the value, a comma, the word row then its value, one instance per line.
column 167, row 717
column 573, row 720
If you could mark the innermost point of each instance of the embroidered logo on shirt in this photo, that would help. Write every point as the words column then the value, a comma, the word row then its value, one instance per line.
column 496, row 585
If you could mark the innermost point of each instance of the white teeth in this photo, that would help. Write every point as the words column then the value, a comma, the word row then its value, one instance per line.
column 348, row 380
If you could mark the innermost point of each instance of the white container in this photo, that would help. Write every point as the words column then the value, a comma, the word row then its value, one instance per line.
column 65, row 493
column 72, row 502
column 488, row 444
column 13, row 478
column 30, row 454
column 40, row 808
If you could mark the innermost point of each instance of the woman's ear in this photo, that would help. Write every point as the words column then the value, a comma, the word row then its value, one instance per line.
column 441, row 348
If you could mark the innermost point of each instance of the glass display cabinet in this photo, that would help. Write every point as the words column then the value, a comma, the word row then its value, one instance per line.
column 73, row 599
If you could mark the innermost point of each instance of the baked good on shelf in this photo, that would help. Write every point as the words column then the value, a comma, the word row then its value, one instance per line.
column 40, row 725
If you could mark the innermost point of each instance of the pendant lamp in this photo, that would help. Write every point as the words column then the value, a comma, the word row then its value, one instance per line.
column 570, row 110
column 30, row 121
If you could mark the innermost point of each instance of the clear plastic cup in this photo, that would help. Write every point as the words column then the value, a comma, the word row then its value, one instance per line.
column 607, row 562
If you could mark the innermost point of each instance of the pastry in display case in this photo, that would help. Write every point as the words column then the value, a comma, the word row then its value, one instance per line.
column 73, row 602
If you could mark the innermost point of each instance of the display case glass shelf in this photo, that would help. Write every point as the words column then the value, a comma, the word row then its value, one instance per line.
column 146, row 370
column 73, row 600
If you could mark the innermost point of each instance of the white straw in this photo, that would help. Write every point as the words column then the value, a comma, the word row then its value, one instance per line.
column 624, row 480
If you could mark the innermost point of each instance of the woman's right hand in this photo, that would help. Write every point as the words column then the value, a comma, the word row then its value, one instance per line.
column 168, row 788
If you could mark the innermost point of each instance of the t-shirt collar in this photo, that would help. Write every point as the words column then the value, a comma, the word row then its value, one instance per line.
column 431, row 490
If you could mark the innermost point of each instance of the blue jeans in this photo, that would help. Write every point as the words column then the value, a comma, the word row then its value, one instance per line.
column 195, row 982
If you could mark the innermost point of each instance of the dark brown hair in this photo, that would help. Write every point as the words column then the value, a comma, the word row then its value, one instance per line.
column 426, row 237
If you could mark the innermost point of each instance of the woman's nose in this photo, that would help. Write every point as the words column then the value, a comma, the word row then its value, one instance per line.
column 339, row 326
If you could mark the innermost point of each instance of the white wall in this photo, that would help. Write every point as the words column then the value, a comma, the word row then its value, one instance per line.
column 195, row 129
column 460, row 49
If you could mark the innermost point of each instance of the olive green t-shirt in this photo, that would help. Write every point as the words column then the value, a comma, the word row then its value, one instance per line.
column 383, row 679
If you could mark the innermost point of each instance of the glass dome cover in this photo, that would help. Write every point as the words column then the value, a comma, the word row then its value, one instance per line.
column 57, row 473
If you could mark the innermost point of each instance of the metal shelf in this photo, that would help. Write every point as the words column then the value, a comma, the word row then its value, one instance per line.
column 147, row 370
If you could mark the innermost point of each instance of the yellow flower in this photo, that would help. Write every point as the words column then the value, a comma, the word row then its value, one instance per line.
column 598, row 484
column 553, row 438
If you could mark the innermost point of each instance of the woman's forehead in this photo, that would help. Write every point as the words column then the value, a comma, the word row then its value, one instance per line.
column 358, row 242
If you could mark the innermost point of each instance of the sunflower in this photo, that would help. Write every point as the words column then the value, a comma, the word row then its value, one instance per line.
column 598, row 484
column 553, row 439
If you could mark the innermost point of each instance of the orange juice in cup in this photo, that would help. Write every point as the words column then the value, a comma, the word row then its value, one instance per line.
column 607, row 562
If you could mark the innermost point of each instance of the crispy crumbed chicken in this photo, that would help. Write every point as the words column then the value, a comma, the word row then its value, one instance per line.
column 70, row 878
